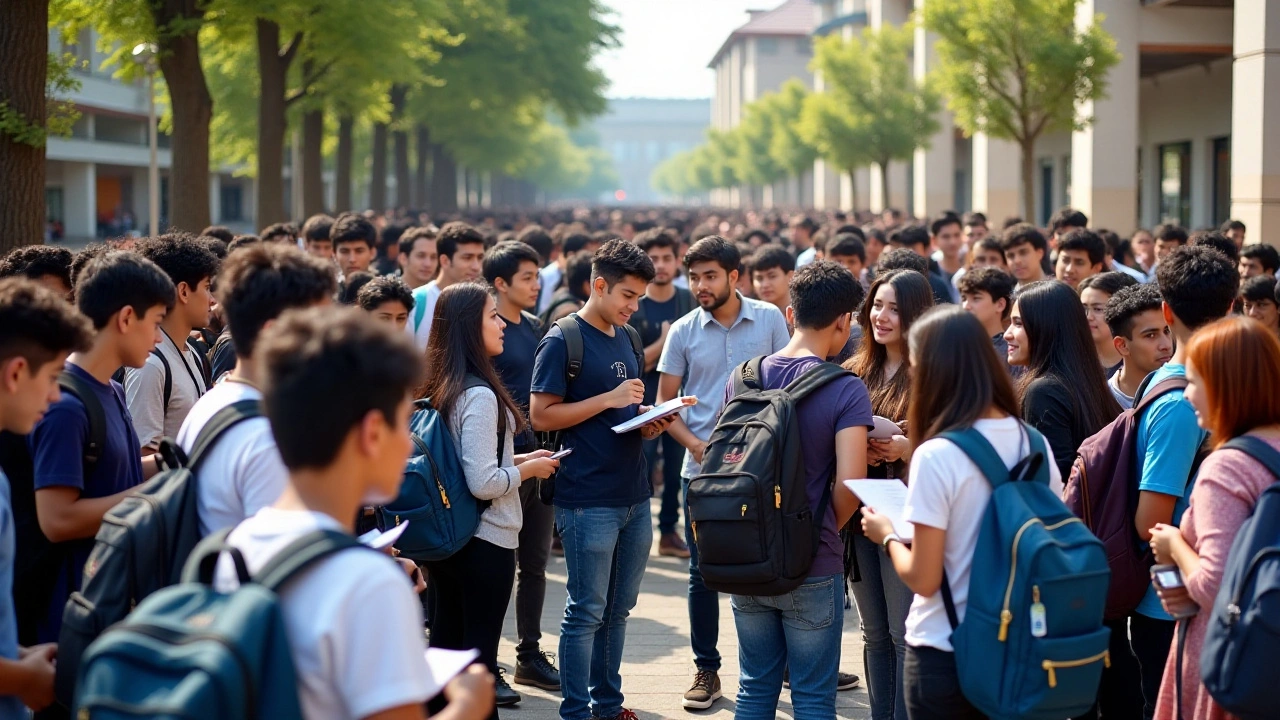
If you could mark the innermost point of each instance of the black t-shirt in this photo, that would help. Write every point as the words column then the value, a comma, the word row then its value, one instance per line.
column 515, row 367
column 648, row 322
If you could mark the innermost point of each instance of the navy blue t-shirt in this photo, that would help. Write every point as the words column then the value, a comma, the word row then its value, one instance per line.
column 652, row 315
column 605, row 469
column 515, row 367
column 57, row 454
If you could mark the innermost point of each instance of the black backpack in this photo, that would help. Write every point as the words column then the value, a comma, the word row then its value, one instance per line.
column 749, row 508
column 572, row 368
column 141, row 547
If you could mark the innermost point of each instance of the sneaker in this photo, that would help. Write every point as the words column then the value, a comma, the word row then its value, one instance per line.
column 540, row 672
column 844, row 680
column 557, row 546
column 670, row 545
column 624, row 715
column 705, row 691
column 503, row 695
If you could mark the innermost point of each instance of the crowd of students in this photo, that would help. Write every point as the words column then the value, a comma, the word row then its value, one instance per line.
column 528, row 338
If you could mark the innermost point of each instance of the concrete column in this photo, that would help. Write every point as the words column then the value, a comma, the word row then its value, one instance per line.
column 934, row 166
column 996, row 181
column 1255, row 110
column 141, row 197
column 80, row 199
column 1104, row 160
column 215, row 198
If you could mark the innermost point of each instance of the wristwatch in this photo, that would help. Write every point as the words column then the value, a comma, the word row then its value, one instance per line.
column 888, row 539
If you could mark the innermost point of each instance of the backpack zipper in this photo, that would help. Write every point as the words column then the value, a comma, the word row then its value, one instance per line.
column 1050, row 666
column 1006, row 617
column 777, row 497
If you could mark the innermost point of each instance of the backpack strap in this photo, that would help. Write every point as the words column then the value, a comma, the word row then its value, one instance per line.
column 202, row 362
column 532, row 320
column 97, row 442
column 1148, row 393
column 301, row 554
column 572, row 344
column 221, row 422
column 203, row 561
column 684, row 302
column 1259, row 450
column 637, row 346
column 975, row 445
column 812, row 379
column 168, row 376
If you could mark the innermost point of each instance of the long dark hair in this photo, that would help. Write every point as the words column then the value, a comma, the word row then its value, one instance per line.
column 889, row 395
column 956, row 375
column 456, row 349
column 1062, row 349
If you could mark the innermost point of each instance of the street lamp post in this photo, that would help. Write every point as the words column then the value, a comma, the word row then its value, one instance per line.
column 145, row 54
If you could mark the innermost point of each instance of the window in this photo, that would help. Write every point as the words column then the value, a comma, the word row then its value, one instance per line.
column 1175, row 183
column 767, row 45
column 53, row 205
column 653, row 151
column 1221, row 180
column 232, row 203
column 804, row 46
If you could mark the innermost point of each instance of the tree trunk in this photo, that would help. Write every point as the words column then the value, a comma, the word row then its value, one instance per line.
column 378, row 169
column 853, row 189
column 192, row 109
column 400, row 148
column 273, row 71
column 24, row 55
column 313, row 162
column 422, row 149
column 884, row 183
column 1028, row 179
column 342, row 171
column 444, row 181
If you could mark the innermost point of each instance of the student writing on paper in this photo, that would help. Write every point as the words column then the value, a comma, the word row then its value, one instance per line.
column 948, row 494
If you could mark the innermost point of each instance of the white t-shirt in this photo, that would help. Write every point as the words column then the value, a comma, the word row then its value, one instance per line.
column 421, row 332
column 1113, row 384
column 243, row 472
column 144, row 392
column 949, row 492
column 353, row 622
column 549, row 277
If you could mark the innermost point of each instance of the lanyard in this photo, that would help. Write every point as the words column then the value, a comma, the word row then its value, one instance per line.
column 200, row 388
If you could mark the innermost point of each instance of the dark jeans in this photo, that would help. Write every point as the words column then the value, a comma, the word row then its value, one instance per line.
column 1151, row 640
column 932, row 686
column 471, row 590
column 704, row 607
column 531, row 575
column 1120, row 692
column 672, row 461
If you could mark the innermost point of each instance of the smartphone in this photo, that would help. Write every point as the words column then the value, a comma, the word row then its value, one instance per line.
column 1166, row 577
column 563, row 453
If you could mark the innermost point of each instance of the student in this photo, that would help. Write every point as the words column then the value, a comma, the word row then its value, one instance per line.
column 983, row 253
column 418, row 258
column 1235, row 230
column 987, row 294
column 1227, row 489
column 947, row 238
column 1024, row 250
column 699, row 355
column 575, row 292
column 37, row 331
column 1258, row 297
column 803, row 228
column 349, row 617
column 771, row 270
column 1065, row 220
column 1095, row 291
column 221, row 232
column 875, row 243
column 279, row 233
column 947, row 497
column 1144, row 252
column 388, row 260
column 388, row 300
column 461, row 257
column 975, row 228
column 126, row 297
column 1117, row 254
column 847, row 250
column 663, row 304
column 540, row 240
column 602, row 490
column 353, row 240
column 895, row 301
column 243, row 472
column 315, row 236
column 554, row 272
column 46, row 264
column 1064, row 391
column 161, row 392
column 1081, row 255
column 1141, row 336
column 472, row 587
column 916, row 239
column 800, row 631
column 1169, row 237
column 1258, row 260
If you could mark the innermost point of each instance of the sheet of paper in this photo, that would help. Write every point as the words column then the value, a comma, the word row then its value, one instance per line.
column 888, row 498
column 444, row 665
column 658, row 412
column 884, row 429
column 379, row 540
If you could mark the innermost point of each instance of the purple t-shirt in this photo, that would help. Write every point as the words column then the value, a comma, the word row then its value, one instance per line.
column 836, row 406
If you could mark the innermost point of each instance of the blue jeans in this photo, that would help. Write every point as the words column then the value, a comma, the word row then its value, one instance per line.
column 802, row 629
column 704, row 606
column 605, row 551
column 883, row 601
column 672, row 462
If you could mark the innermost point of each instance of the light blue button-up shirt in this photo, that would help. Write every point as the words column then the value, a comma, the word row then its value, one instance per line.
column 702, row 353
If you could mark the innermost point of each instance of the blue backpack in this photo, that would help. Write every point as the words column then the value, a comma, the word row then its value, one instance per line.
column 1242, row 636
column 434, row 497
column 1032, row 645
column 189, row 651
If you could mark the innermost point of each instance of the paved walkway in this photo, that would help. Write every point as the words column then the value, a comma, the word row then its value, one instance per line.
column 658, row 664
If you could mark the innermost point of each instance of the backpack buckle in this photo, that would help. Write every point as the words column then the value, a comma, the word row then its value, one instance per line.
column 1233, row 613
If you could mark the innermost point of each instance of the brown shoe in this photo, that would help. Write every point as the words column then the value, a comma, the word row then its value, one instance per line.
column 671, row 545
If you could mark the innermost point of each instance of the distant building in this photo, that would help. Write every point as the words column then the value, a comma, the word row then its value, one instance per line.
column 639, row 133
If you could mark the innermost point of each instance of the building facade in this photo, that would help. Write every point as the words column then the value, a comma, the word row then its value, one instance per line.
column 640, row 133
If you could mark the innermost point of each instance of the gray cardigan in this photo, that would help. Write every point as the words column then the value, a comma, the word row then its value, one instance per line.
column 473, row 423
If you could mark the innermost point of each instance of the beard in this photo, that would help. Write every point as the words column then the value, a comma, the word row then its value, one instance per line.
column 717, row 301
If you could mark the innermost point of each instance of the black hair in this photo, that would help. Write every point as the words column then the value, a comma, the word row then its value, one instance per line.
column 259, row 282
column 37, row 261
column 391, row 234
column 937, row 225
column 1022, row 234
column 37, row 324
column 912, row 235
column 807, row 223
column 1079, row 238
column 411, row 237
column 577, row 273
column 1219, row 242
column 350, row 227
column 1266, row 255
column 853, row 229
column 901, row 259
column 384, row 289
column 181, row 256
column 847, row 245
column 994, row 281
column 714, row 248
column 317, row 227
column 657, row 238
column 821, row 292
column 890, row 394
column 757, row 232
column 271, row 232
column 618, row 259
column 1198, row 283
column 349, row 290
column 537, row 238
column 974, row 219
column 222, row 232
column 117, row 280
column 361, row 366
column 87, row 254
column 456, row 233
column 241, row 241
column 214, row 245
column 576, row 243
column 872, row 233
column 1170, row 231
column 1230, row 225
column 1259, row 288
column 504, row 259
column 1068, row 217
column 1108, row 282
column 1126, row 304
column 772, row 256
